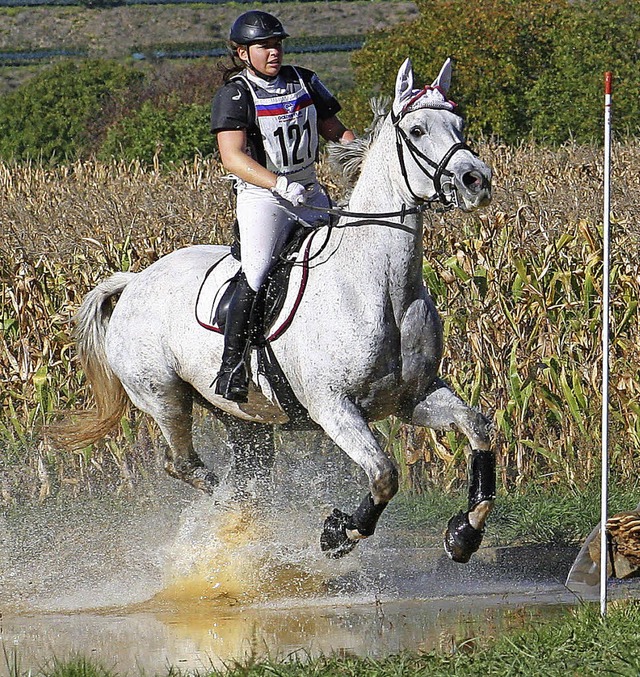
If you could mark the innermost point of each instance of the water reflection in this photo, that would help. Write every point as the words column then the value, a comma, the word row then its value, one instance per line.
column 201, row 637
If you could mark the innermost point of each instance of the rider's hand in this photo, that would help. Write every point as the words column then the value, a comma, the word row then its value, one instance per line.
column 292, row 192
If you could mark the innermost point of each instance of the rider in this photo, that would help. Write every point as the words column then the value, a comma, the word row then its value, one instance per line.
column 267, row 117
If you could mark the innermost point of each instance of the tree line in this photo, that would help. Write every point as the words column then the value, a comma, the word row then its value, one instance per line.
column 523, row 70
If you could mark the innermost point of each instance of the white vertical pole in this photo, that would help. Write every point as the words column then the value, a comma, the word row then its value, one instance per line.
column 605, row 346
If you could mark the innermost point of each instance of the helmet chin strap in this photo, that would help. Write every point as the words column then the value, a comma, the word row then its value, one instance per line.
column 254, row 70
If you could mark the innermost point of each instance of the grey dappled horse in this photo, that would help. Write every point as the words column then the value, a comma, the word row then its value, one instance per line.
column 365, row 342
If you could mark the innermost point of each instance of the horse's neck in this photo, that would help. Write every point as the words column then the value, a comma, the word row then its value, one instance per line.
column 395, row 252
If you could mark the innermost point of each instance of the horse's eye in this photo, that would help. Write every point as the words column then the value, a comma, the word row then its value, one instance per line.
column 416, row 132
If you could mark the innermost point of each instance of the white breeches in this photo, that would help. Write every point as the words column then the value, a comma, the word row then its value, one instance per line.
column 265, row 226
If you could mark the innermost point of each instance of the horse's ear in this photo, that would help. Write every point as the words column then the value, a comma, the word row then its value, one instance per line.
column 404, row 86
column 443, row 81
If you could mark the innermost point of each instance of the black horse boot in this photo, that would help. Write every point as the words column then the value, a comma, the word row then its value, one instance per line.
column 232, row 381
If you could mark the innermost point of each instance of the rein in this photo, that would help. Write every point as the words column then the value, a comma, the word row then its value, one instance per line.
column 376, row 218
column 380, row 218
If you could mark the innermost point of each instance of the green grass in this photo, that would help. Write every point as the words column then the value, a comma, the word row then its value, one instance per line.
column 531, row 515
column 77, row 666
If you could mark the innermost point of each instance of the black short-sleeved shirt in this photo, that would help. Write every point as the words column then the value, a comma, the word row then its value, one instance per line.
column 233, row 108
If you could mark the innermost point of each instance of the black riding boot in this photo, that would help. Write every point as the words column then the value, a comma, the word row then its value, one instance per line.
column 232, row 381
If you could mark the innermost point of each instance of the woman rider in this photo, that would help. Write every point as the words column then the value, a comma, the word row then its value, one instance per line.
column 267, row 118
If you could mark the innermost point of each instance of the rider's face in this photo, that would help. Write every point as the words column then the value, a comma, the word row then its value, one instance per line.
column 265, row 57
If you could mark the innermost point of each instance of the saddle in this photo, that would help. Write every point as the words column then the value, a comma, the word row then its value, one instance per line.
column 213, row 299
column 212, row 305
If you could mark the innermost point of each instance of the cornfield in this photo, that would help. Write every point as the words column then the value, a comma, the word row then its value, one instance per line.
column 518, row 286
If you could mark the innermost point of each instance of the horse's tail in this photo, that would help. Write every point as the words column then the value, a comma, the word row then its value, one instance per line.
column 88, row 426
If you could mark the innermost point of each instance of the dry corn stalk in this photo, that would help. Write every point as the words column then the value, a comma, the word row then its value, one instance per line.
column 518, row 287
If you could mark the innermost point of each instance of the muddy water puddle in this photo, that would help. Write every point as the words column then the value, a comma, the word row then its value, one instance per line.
column 169, row 579
column 245, row 602
column 134, row 641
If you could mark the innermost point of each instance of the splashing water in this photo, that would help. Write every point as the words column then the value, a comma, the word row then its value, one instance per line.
column 173, row 577
column 239, row 554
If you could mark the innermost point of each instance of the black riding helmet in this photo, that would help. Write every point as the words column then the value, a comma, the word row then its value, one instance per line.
column 255, row 26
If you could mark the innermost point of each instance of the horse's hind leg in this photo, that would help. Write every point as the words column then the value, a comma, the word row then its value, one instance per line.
column 441, row 410
column 172, row 409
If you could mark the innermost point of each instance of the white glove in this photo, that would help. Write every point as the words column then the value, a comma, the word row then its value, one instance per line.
column 293, row 192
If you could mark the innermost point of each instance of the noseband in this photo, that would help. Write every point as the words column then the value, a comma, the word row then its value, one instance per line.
column 425, row 163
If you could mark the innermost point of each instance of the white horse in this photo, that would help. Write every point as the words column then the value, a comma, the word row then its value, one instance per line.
column 365, row 341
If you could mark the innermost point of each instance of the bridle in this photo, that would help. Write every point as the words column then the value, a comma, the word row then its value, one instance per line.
column 448, row 199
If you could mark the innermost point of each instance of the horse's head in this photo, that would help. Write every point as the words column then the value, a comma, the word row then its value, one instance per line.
column 434, row 160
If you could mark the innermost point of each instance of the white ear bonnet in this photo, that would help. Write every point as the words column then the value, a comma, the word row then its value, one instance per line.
column 430, row 96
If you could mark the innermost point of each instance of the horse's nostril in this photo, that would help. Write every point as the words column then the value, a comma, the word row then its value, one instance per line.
column 473, row 181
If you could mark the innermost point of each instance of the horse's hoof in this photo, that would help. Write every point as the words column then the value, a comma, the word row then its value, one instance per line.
column 203, row 479
column 461, row 540
column 334, row 540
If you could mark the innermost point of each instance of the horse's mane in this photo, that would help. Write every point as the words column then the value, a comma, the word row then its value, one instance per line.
column 346, row 158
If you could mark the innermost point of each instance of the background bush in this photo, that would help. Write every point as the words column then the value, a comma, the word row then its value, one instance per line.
column 77, row 109
column 522, row 68
column 499, row 47
column 168, row 133
column 566, row 100
column 529, row 69
column 49, row 117
column 164, row 119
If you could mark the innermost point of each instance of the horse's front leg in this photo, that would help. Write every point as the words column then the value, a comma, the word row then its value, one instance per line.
column 441, row 410
column 346, row 427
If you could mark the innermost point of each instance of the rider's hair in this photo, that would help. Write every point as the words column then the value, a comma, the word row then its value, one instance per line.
column 233, row 65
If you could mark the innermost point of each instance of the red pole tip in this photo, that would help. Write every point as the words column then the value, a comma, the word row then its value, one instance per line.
column 608, row 77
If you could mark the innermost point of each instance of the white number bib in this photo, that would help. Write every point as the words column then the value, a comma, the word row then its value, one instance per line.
column 289, row 127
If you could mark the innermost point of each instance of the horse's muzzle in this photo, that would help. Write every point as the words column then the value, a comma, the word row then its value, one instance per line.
column 474, row 187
